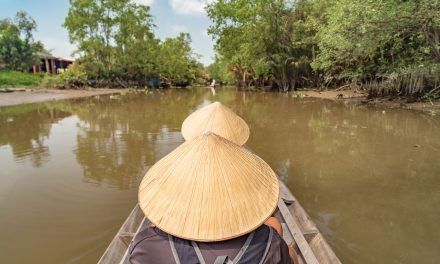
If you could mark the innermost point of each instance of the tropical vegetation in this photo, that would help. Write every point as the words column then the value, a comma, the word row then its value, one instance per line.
column 389, row 47
column 18, row 49
column 117, row 46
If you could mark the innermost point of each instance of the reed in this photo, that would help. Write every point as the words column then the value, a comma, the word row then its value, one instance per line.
column 421, row 83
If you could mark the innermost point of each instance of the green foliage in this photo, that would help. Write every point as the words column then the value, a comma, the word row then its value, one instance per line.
column 116, row 42
column 74, row 77
column 19, row 79
column 370, row 37
column 290, row 44
column 51, row 81
column 257, row 38
column 219, row 71
column 236, row 32
column 176, row 61
column 112, row 36
column 18, row 50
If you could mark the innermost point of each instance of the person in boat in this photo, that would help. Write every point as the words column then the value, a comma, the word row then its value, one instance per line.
column 210, row 201
column 218, row 119
column 212, row 87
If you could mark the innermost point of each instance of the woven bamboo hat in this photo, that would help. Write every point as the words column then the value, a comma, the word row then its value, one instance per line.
column 219, row 119
column 209, row 189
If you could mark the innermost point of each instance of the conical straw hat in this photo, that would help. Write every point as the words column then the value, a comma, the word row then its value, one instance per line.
column 209, row 189
column 219, row 119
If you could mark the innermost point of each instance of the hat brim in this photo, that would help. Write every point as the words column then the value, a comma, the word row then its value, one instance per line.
column 209, row 189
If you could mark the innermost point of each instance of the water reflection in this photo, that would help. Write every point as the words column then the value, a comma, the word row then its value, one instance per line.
column 25, row 128
column 116, row 140
column 87, row 184
column 70, row 170
column 362, row 174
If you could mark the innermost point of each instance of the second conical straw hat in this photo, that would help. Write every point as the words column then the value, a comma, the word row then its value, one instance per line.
column 219, row 119
column 209, row 189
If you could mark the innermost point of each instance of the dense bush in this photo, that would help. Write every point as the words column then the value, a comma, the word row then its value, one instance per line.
column 18, row 50
column 118, row 47
column 391, row 47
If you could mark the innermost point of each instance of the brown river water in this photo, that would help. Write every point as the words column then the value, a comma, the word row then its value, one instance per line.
column 69, row 170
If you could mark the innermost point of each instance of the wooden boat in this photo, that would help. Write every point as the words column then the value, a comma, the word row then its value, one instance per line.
column 298, row 231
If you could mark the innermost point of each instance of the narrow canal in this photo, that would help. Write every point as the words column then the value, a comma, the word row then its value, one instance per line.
column 69, row 170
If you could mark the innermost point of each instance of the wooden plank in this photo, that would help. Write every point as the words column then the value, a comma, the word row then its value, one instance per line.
column 117, row 247
column 126, row 257
column 285, row 194
column 287, row 236
column 125, row 261
column 294, row 229
column 323, row 252
column 126, row 237
column 310, row 234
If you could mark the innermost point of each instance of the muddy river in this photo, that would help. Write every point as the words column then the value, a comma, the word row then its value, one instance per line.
column 69, row 170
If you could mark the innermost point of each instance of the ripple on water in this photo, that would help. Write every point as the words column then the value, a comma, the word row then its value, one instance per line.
column 69, row 170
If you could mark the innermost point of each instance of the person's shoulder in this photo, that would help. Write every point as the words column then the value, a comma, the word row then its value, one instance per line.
column 151, row 245
column 279, row 250
column 264, row 230
column 148, row 234
column 278, row 240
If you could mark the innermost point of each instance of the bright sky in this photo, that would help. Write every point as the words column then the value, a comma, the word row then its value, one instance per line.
column 170, row 17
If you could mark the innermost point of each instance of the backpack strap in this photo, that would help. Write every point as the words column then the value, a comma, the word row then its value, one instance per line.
column 269, row 242
column 259, row 247
column 185, row 251
column 244, row 247
column 223, row 260
column 173, row 249
column 198, row 252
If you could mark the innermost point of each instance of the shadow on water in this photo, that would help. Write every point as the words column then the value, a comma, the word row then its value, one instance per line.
column 70, row 170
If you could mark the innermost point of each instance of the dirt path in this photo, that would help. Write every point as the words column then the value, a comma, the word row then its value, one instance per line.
column 332, row 94
column 37, row 96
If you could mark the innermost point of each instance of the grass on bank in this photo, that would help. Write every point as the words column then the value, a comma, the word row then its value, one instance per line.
column 12, row 79
column 16, row 79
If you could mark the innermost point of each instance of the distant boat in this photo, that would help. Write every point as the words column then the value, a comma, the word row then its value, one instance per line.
column 298, row 231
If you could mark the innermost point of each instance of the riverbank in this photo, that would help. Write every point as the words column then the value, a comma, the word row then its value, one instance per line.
column 361, row 98
column 26, row 96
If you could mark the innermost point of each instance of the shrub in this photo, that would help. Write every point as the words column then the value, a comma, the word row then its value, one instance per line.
column 74, row 77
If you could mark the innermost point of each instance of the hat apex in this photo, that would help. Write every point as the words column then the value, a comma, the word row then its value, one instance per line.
column 219, row 119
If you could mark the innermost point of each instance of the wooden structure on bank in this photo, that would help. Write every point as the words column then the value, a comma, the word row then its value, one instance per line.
column 298, row 231
column 51, row 64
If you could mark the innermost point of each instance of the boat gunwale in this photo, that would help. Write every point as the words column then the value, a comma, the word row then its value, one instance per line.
column 313, row 237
